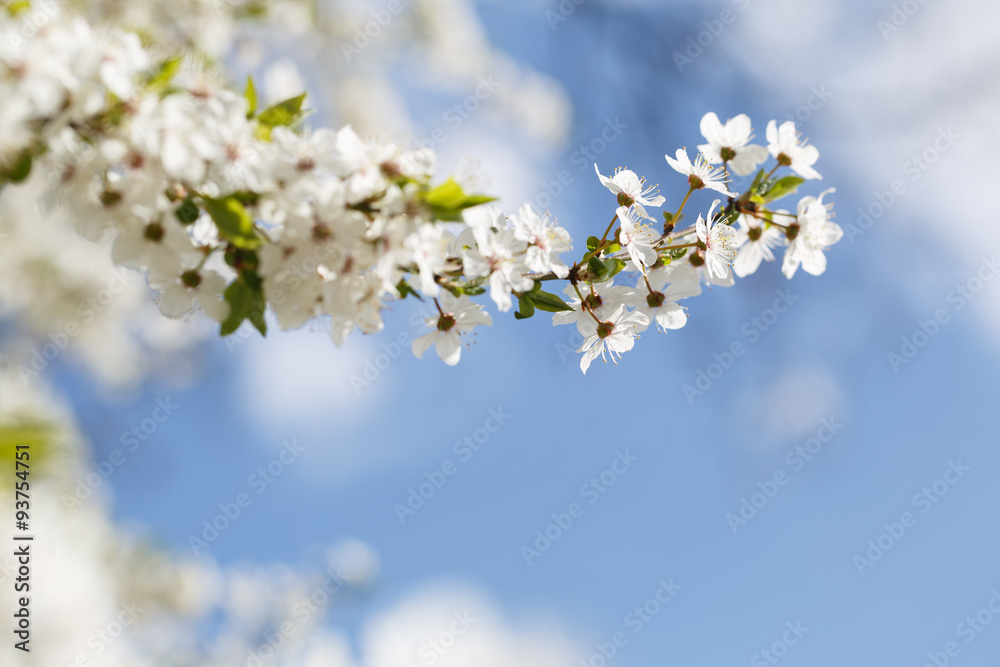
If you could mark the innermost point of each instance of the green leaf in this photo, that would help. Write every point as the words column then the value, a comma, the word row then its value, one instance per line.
column 251, row 97
column 239, row 297
column 405, row 290
column 592, row 242
column 448, row 200
column 283, row 114
column 245, row 297
column 782, row 187
column 187, row 212
column 615, row 266
column 18, row 6
column 447, row 195
column 233, row 221
column 758, row 179
column 256, row 315
column 164, row 73
column 525, row 308
column 550, row 303
column 676, row 253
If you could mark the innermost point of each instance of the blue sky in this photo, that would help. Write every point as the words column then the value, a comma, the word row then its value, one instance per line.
column 665, row 516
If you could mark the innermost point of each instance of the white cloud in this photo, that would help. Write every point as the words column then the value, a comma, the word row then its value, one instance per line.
column 453, row 626
column 788, row 408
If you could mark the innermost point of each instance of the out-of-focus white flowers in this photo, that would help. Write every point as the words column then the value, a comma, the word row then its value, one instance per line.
column 238, row 211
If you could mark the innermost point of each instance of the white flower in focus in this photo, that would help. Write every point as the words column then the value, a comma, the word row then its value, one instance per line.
column 815, row 234
column 730, row 143
column 459, row 315
column 602, row 299
column 637, row 237
column 658, row 302
column 546, row 240
column 616, row 335
column 719, row 240
column 700, row 174
column 630, row 190
column 783, row 144
column 755, row 243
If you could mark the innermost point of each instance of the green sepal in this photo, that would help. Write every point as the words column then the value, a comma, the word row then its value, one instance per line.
column 406, row 290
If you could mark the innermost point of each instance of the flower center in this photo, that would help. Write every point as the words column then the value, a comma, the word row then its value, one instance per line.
column 593, row 301
column 154, row 232
column 754, row 233
column 792, row 231
column 110, row 197
column 655, row 299
column 727, row 154
column 784, row 160
column 625, row 200
column 604, row 329
column 697, row 259
column 696, row 182
column 191, row 279
column 321, row 232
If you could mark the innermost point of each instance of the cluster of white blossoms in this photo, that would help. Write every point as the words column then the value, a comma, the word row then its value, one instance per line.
column 235, row 211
